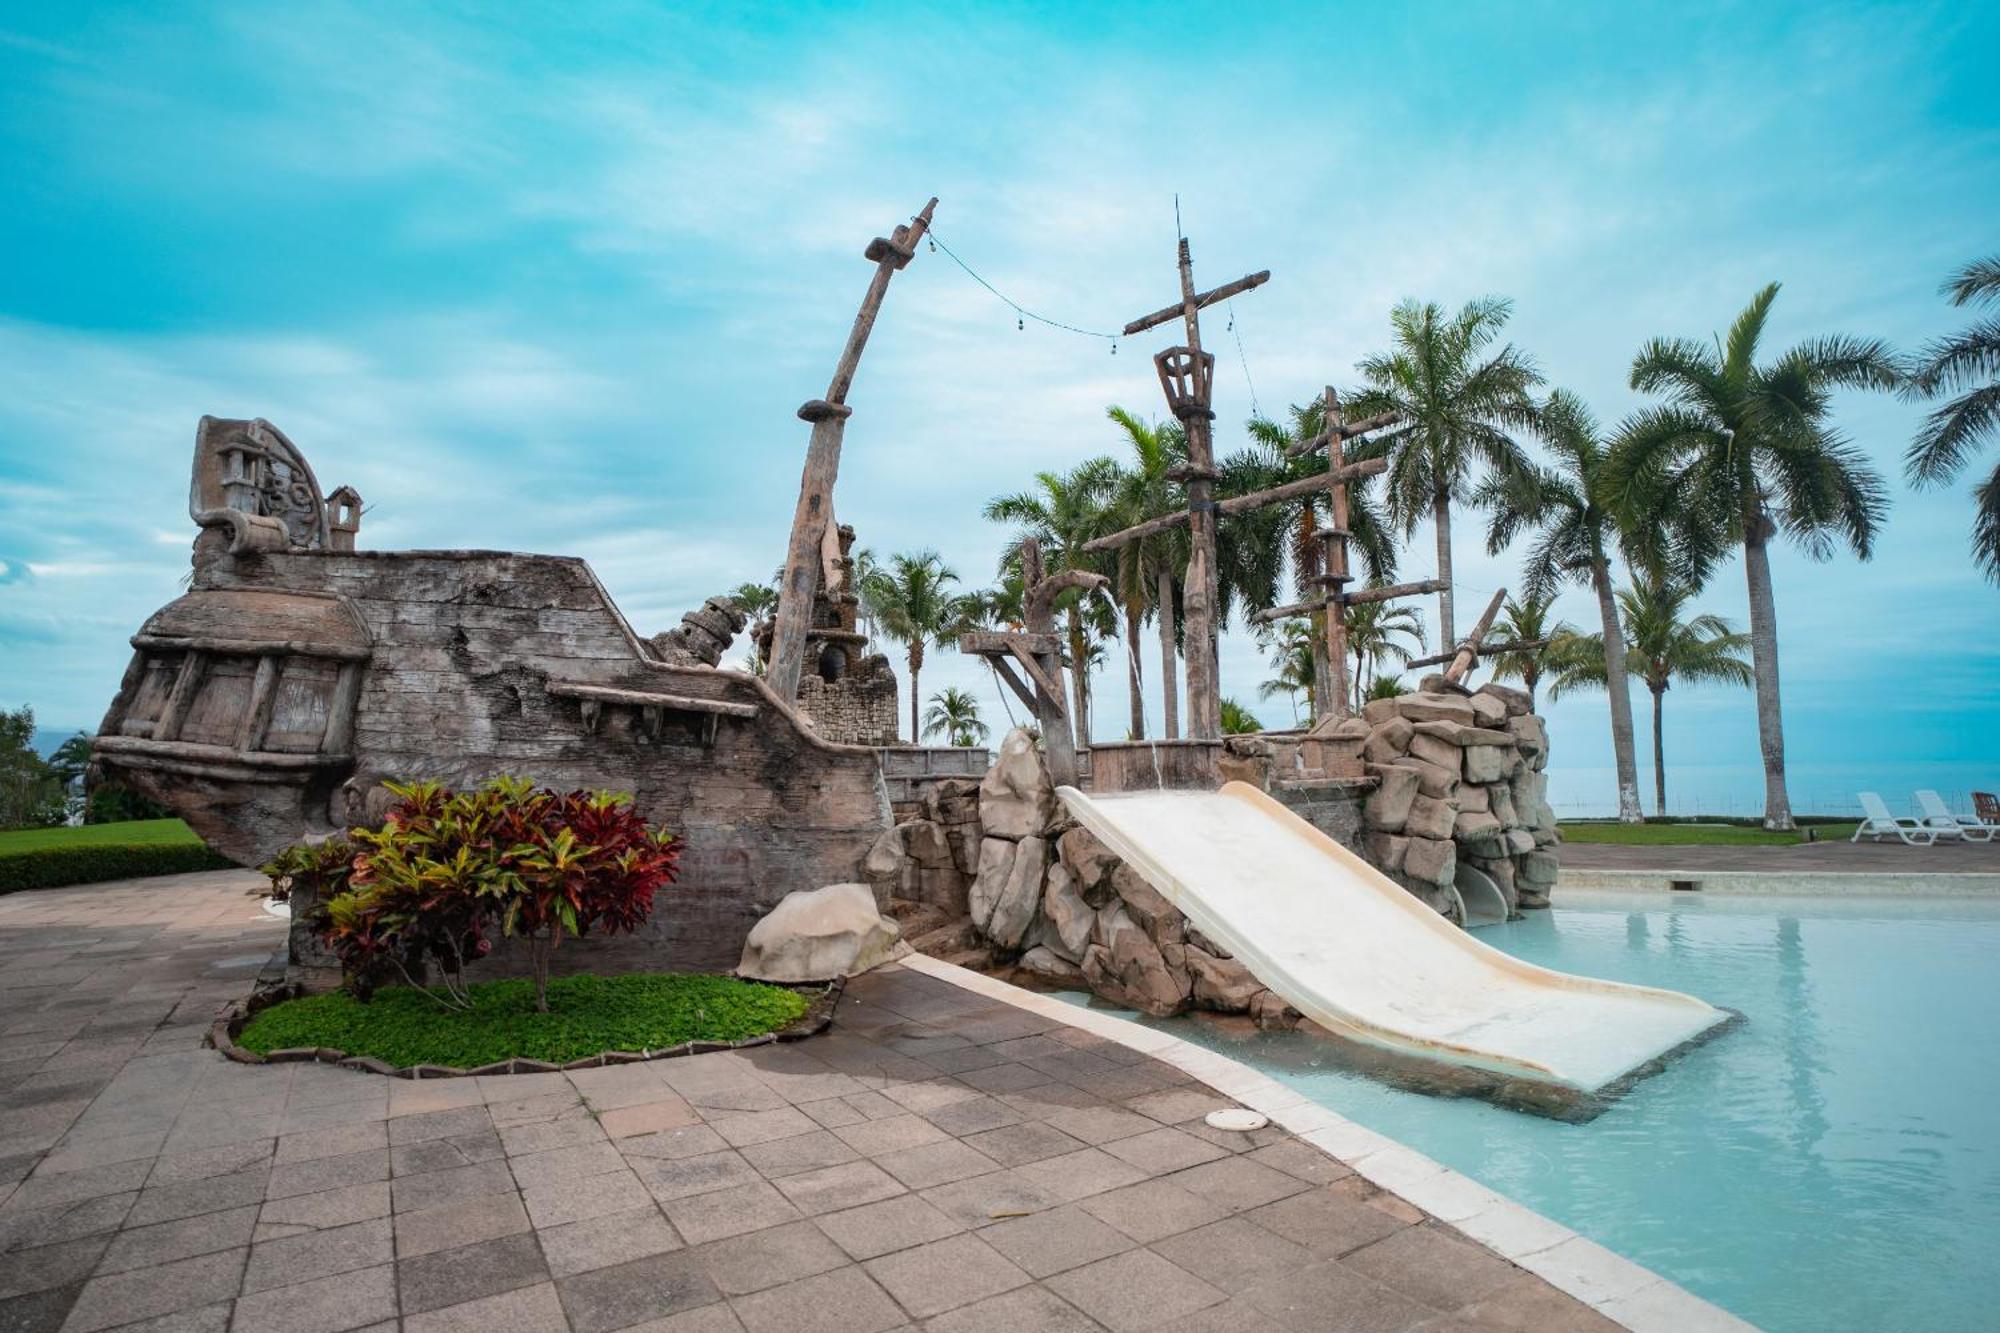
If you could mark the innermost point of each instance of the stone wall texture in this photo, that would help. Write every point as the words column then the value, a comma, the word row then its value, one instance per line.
column 470, row 651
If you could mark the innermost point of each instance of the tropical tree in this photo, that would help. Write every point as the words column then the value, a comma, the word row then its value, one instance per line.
column 1458, row 406
column 1664, row 647
column 1147, row 569
column 759, row 601
column 30, row 794
column 913, row 598
column 954, row 714
column 1573, row 536
column 1379, row 632
column 1525, row 619
column 1238, row 720
column 1949, row 436
column 1736, row 454
column 1372, row 543
column 1292, row 643
column 865, row 565
column 1062, row 511
column 1387, row 687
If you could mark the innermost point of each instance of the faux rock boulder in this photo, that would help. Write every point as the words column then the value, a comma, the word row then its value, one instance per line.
column 819, row 934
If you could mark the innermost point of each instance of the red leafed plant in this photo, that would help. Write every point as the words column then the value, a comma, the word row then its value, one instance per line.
column 447, row 870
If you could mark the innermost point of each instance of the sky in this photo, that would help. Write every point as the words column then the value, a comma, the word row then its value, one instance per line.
column 556, row 278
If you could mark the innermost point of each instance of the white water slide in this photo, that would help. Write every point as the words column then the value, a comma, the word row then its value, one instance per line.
column 1356, row 953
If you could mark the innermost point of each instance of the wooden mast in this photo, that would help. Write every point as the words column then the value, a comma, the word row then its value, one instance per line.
column 1187, row 375
column 828, row 416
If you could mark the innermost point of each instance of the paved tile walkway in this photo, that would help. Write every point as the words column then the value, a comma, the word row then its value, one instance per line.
column 939, row 1160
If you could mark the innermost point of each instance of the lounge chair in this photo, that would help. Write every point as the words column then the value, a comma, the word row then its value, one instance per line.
column 1986, row 806
column 1877, row 823
column 1938, row 815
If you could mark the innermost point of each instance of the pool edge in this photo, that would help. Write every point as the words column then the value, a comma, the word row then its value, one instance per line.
column 1625, row 1292
column 1783, row 883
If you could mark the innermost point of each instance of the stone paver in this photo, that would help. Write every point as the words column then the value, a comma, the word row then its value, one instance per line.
column 938, row 1159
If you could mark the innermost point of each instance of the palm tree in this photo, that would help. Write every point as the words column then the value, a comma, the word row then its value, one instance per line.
column 1969, row 361
column 1525, row 619
column 954, row 714
column 1063, row 511
column 1456, row 412
column 1371, row 541
column 1293, row 642
column 1573, row 539
column 1375, row 631
column 913, row 598
column 759, row 602
column 1664, row 647
column 1736, row 454
column 1238, row 720
column 1147, row 569
column 865, row 566
column 1387, row 687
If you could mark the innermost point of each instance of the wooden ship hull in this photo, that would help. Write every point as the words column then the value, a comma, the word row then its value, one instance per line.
column 269, row 704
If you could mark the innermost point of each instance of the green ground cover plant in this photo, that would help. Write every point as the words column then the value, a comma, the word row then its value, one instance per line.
column 586, row 1015
column 1718, row 834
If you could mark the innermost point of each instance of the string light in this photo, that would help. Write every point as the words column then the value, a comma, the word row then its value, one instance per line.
column 1021, row 313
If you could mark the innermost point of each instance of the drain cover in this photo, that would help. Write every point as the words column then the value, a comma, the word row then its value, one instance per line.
column 1236, row 1117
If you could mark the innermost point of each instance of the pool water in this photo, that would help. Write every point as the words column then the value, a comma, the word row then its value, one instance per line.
column 1834, row 1162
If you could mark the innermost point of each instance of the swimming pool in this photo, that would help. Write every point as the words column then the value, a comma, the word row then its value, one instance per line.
column 1831, row 1163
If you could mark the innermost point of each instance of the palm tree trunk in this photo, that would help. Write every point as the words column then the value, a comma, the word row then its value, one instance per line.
column 916, row 666
column 1169, row 685
column 1079, row 683
column 1133, row 610
column 1764, row 663
column 1322, row 692
column 1659, row 756
column 1620, row 691
column 1441, row 519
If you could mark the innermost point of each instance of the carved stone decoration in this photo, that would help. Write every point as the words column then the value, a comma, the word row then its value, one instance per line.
column 703, row 635
column 848, row 693
column 252, row 468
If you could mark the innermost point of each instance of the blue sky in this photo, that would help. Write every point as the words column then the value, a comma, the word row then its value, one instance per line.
column 555, row 279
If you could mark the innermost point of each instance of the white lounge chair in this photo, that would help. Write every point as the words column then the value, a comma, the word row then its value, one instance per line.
column 1877, row 823
column 1938, row 815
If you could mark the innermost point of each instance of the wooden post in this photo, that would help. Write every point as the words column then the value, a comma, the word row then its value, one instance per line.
column 1334, row 563
column 1186, row 373
column 828, row 416
column 1467, row 652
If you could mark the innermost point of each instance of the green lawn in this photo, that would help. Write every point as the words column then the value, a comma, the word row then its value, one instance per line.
column 131, row 833
column 1693, row 835
column 587, row 1015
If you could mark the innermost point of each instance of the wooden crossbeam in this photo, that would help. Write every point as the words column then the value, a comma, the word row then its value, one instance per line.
column 1181, row 309
column 1040, row 675
column 1014, row 682
column 1484, row 650
column 1237, row 504
column 999, row 643
column 1359, row 597
column 1348, row 431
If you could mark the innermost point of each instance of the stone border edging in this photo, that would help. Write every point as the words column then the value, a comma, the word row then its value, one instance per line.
column 1784, row 883
column 229, row 1023
column 1614, row 1286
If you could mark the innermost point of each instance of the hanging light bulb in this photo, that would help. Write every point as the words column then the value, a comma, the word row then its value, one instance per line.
column 933, row 243
column 1114, row 347
column 1019, row 324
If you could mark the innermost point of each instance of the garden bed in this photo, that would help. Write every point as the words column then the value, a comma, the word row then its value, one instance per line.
column 591, row 1021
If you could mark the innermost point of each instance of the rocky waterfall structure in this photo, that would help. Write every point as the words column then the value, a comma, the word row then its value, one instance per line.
column 996, row 875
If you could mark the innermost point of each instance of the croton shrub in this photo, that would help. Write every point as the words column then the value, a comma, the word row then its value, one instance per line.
column 448, row 872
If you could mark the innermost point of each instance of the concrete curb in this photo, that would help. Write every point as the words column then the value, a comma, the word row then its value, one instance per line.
column 1620, row 1290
